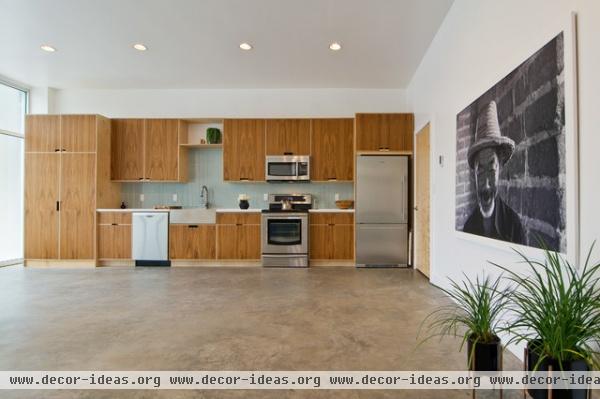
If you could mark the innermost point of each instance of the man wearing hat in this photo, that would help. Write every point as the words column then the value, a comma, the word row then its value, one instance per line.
column 487, row 155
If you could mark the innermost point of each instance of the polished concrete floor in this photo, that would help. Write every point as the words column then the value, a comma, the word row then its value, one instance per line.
column 221, row 319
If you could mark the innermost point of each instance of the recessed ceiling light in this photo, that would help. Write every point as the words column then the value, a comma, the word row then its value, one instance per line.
column 47, row 48
column 335, row 46
column 245, row 46
column 140, row 47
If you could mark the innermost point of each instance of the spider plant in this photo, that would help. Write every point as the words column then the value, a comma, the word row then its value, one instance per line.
column 557, row 309
column 476, row 312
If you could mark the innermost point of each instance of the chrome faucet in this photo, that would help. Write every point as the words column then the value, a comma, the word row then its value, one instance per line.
column 204, row 197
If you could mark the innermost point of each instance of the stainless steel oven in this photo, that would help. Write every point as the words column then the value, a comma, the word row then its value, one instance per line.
column 287, row 168
column 284, row 230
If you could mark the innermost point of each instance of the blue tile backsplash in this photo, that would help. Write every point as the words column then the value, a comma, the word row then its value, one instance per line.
column 206, row 168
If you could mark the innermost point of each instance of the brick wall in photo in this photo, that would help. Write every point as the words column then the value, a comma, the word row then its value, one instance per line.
column 530, row 104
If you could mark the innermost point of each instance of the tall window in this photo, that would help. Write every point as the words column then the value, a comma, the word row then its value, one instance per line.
column 13, row 106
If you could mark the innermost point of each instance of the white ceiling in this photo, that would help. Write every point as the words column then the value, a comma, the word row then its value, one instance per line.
column 194, row 43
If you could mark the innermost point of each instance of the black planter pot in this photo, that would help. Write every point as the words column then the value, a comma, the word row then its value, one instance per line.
column 576, row 365
column 485, row 356
column 244, row 204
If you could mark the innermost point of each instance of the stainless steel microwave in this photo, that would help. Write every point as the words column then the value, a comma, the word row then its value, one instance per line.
column 287, row 168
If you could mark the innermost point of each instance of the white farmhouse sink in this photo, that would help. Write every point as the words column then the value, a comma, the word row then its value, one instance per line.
column 193, row 216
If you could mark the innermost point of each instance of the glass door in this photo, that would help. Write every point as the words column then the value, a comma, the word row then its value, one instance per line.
column 284, row 231
column 13, row 105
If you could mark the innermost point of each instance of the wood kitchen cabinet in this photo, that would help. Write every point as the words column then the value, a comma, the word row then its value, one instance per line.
column 43, row 133
column 67, row 176
column 42, row 176
column 288, row 136
column 192, row 241
column 238, row 236
column 332, row 149
column 384, row 132
column 149, row 150
column 77, row 217
column 332, row 236
column 244, row 150
column 114, row 235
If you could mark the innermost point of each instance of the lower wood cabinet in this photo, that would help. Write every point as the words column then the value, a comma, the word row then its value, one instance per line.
column 332, row 236
column 238, row 236
column 192, row 241
column 114, row 242
column 114, row 235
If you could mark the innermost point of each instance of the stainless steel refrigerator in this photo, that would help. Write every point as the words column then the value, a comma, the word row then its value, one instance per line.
column 382, row 211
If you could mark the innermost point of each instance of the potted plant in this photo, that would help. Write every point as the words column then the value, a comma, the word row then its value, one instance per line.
column 213, row 135
column 476, row 310
column 557, row 314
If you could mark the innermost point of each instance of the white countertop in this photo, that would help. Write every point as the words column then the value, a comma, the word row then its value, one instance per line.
column 332, row 210
column 221, row 210
column 133, row 210
column 249, row 210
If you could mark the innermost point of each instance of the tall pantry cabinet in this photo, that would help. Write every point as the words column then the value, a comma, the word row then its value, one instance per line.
column 67, row 176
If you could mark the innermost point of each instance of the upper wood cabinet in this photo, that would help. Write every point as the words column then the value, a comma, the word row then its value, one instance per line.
column 288, row 136
column 384, row 132
column 60, row 133
column 65, row 185
column 149, row 150
column 244, row 149
column 42, row 133
column 332, row 149
column 127, row 151
column 162, row 149
column 78, row 133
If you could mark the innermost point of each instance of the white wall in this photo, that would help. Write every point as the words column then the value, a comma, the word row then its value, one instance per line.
column 42, row 100
column 229, row 102
column 478, row 44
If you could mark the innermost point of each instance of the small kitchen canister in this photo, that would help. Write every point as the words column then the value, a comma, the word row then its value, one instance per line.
column 243, row 201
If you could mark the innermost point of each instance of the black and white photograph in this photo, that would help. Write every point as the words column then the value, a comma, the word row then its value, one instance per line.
column 510, row 156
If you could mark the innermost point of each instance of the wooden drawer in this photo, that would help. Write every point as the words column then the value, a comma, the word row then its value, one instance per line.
column 114, row 242
column 332, row 218
column 192, row 241
column 114, row 217
column 238, row 218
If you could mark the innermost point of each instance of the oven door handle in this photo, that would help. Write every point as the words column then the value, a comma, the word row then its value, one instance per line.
column 286, row 218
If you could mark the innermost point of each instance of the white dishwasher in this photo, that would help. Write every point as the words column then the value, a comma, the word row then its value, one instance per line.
column 150, row 238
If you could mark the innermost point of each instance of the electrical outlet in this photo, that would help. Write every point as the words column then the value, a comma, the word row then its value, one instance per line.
column 441, row 160
column 337, row 196
column 265, row 197
column 141, row 197
column 174, row 197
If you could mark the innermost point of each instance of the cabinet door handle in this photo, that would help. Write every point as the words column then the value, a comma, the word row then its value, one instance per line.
column 244, row 179
column 140, row 178
column 239, row 224
column 114, row 224
column 63, row 150
column 288, row 153
column 332, row 178
column 192, row 226
column 57, row 150
column 384, row 149
column 58, row 206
